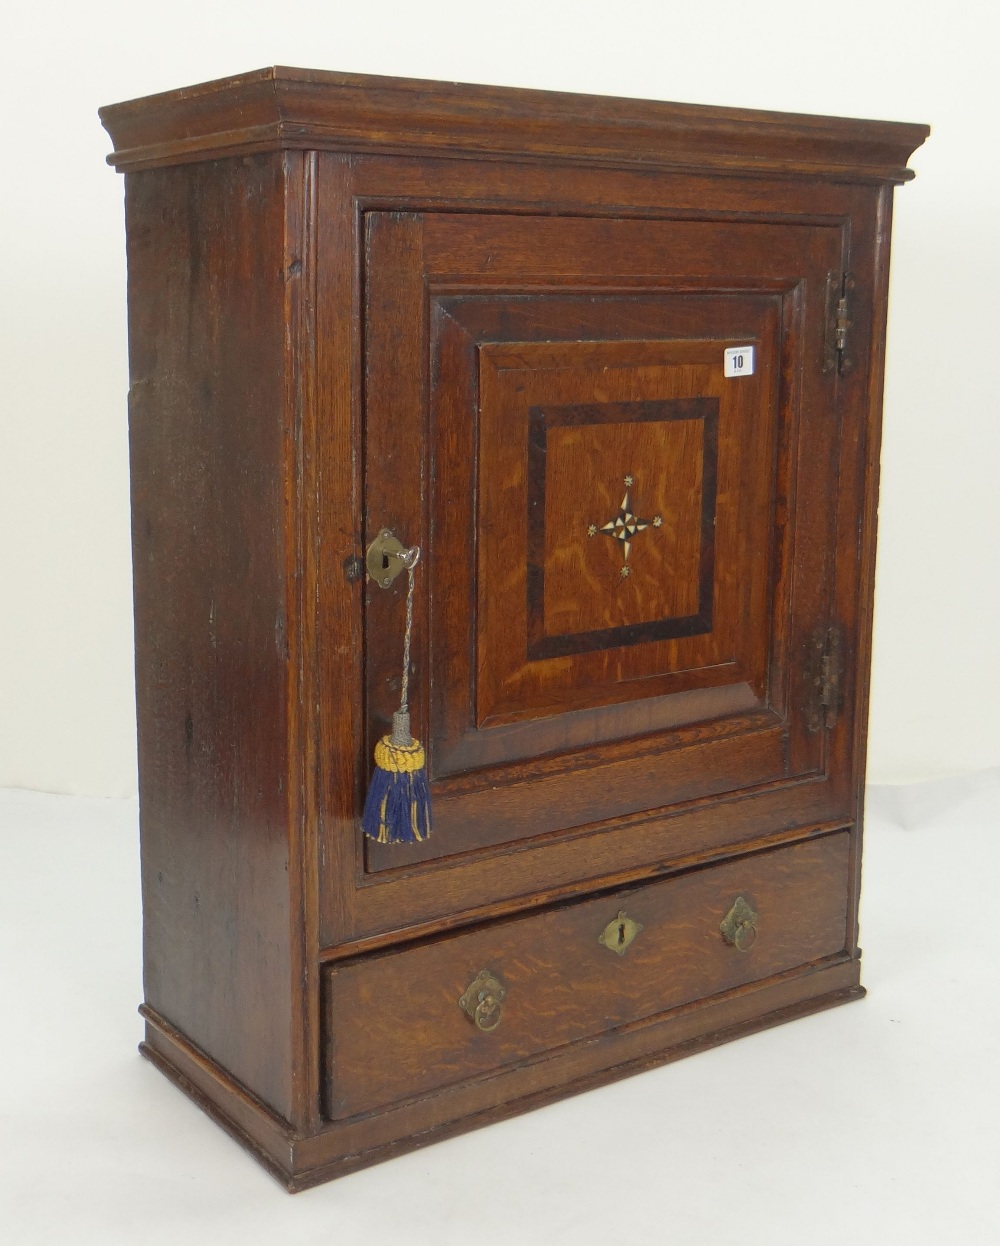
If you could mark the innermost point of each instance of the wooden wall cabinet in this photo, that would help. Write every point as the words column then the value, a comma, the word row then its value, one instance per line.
column 495, row 322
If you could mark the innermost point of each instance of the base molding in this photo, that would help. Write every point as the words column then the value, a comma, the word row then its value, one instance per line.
column 227, row 1101
column 169, row 1068
column 299, row 1161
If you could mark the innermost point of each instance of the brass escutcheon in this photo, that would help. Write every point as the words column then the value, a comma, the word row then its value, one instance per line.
column 617, row 935
column 739, row 926
column 482, row 1001
column 384, row 558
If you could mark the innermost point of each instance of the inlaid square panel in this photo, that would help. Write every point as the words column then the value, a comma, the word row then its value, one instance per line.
column 623, row 488
column 640, row 478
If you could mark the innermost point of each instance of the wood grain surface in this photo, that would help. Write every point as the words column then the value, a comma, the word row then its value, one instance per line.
column 208, row 459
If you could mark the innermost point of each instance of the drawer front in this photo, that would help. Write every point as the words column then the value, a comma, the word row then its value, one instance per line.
column 396, row 1028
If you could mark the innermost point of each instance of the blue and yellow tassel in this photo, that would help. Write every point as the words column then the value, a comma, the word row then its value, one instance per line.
column 398, row 806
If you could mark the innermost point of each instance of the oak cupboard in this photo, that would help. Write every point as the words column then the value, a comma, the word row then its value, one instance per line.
column 616, row 367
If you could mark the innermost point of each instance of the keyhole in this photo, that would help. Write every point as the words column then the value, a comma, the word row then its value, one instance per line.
column 385, row 562
column 621, row 933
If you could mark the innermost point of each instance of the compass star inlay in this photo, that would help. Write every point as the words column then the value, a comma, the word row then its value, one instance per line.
column 625, row 525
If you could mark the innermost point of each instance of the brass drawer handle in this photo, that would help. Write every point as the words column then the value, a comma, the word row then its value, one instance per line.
column 482, row 1001
column 618, row 934
column 739, row 926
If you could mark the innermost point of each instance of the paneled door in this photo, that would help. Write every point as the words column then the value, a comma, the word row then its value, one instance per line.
column 614, row 441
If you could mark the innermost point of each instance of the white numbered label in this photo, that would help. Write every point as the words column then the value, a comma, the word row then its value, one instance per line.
column 738, row 361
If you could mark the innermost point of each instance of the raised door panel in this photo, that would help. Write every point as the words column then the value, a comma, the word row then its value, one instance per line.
column 619, row 583
column 612, row 532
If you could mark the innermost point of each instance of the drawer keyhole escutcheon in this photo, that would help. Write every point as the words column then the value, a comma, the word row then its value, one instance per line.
column 739, row 926
column 618, row 934
column 482, row 1001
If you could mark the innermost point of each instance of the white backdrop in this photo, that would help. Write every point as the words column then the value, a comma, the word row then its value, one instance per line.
column 66, row 694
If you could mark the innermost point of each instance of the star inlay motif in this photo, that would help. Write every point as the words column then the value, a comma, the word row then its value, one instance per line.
column 625, row 525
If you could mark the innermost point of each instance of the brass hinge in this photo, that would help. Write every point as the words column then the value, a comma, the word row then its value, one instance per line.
column 838, row 322
column 825, row 672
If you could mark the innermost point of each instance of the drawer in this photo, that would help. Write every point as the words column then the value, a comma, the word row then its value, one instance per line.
column 396, row 1029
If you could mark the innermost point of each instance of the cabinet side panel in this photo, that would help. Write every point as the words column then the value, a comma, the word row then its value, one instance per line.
column 207, row 438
